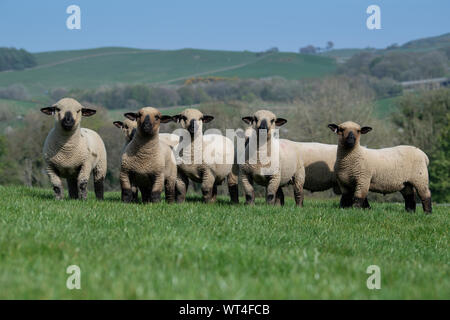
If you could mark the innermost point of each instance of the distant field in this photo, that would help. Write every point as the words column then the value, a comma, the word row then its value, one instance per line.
column 105, row 66
column 218, row 251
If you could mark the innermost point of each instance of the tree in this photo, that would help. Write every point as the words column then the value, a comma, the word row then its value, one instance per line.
column 440, row 167
column 330, row 45
column 310, row 49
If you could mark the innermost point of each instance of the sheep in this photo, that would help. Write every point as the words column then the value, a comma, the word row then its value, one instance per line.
column 360, row 170
column 147, row 162
column 128, row 128
column 72, row 152
column 208, row 173
column 319, row 160
column 288, row 167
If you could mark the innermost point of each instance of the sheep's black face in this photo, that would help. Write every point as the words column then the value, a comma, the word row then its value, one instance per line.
column 349, row 133
column 147, row 125
column 148, row 120
column 264, row 120
column 192, row 120
column 68, row 121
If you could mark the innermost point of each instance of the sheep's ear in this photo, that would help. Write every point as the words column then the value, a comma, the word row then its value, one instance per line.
column 280, row 121
column 177, row 118
column 207, row 118
column 131, row 115
column 365, row 130
column 85, row 112
column 248, row 120
column 48, row 110
column 118, row 124
column 333, row 127
column 165, row 119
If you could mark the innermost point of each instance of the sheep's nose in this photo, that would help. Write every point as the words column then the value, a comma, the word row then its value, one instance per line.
column 147, row 125
column 192, row 126
column 350, row 140
column 263, row 125
column 68, row 121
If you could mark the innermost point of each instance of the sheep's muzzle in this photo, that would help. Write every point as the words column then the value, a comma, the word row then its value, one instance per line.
column 147, row 126
column 68, row 121
column 350, row 140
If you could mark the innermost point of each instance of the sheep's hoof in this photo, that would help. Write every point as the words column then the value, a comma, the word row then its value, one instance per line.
column 58, row 192
column 426, row 204
column 155, row 197
column 250, row 199
column 127, row 195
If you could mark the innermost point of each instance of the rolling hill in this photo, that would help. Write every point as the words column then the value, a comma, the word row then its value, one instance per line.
column 105, row 66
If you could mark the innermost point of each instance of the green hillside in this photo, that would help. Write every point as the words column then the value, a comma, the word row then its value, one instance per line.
column 105, row 66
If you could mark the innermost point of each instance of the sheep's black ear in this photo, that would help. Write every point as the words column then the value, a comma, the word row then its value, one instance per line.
column 131, row 115
column 85, row 112
column 280, row 121
column 248, row 120
column 48, row 110
column 207, row 118
column 176, row 118
column 165, row 119
column 333, row 127
column 118, row 124
column 365, row 130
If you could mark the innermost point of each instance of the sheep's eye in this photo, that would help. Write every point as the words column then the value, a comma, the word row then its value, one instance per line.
column 57, row 109
column 184, row 118
column 156, row 117
column 78, row 111
column 126, row 127
column 272, row 121
column 359, row 131
column 256, row 119
column 340, row 130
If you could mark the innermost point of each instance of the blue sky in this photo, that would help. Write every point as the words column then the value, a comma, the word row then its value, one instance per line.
column 212, row 24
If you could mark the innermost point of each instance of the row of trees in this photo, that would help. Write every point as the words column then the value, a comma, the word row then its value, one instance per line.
column 271, row 89
column 16, row 59
column 400, row 66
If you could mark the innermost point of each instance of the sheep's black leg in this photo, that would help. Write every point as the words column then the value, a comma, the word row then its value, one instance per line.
column 127, row 195
column 98, row 187
column 155, row 196
column 346, row 200
column 214, row 193
column 82, row 189
column 426, row 205
column 279, row 197
column 361, row 203
column 234, row 193
column 409, row 196
column 73, row 188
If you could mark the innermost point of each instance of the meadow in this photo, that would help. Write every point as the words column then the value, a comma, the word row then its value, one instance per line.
column 107, row 66
column 217, row 251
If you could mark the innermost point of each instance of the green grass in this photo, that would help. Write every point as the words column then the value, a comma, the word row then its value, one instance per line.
column 106, row 66
column 198, row 251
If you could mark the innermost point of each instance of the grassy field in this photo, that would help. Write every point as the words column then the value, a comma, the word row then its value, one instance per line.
column 198, row 251
column 106, row 66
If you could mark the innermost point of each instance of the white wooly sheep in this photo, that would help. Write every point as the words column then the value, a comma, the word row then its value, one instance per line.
column 360, row 170
column 289, row 170
column 319, row 160
column 72, row 152
column 148, row 162
column 215, row 161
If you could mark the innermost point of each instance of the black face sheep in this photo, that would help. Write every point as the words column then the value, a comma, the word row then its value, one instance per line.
column 209, row 173
column 147, row 162
column 319, row 160
column 72, row 152
column 360, row 170
column 287, row 165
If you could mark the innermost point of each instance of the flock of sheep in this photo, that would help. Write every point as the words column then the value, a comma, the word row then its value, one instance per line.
column 148, row 160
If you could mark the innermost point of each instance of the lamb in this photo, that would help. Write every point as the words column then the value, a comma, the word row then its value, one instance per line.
column 288, row 167
column 147, row 162
column 360, row 170
column 209, row 173
column 319, row 160
column 128, row 128
column 72, row 152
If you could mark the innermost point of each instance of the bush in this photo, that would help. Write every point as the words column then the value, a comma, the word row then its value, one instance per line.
column 15, row 92
column 14, row 59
